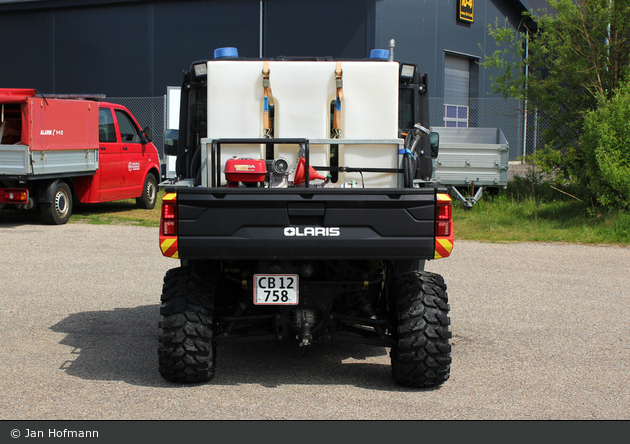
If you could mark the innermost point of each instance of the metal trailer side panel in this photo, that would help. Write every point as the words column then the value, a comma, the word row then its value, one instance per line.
column 62, row 162
column 14, row 160
column 468, row 155
column 18, row 160
column 483, row 164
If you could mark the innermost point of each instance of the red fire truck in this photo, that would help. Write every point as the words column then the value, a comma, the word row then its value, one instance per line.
column 54, row 149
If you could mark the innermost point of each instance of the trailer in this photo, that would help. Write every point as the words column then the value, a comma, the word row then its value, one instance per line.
column 475, row 159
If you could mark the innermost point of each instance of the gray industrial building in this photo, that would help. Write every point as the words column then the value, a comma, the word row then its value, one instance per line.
column 137, row 48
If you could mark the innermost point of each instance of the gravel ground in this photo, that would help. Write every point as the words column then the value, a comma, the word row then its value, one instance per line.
column 540, row 332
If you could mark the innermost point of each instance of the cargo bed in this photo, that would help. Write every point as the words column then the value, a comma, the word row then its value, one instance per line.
column 42, row 136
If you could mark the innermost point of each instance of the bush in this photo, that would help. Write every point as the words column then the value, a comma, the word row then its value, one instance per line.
column 539, row 186
column 605, row 145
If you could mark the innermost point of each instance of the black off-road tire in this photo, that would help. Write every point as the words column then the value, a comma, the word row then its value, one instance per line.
column 148, row 197
column 186, row 352
column 59, row 211
column 422, row 355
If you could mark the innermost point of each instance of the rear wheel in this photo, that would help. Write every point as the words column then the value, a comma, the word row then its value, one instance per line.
column 186, row 352
column 59, row 211
column 422, row 354
column 149, row 193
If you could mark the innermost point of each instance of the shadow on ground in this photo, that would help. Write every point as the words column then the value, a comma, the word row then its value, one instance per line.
column 121, row 345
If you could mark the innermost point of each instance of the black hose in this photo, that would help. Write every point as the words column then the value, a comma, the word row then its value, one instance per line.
column 195, row 166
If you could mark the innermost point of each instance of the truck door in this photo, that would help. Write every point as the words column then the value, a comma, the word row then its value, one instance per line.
column 109, row 158
column 133, row 156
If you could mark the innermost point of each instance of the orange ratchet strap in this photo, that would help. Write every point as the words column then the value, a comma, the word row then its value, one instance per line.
column 268, row 100
column 339, row 85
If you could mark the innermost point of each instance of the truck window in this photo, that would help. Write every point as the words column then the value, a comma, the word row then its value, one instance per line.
column 128, row 130
column 106, row 130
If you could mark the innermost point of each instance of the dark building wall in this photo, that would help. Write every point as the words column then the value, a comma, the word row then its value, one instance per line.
column 138, row 48
column 426, row 30
column 102, row 49
column 28, row 49
column 340, row 29
column 187, row 31
column 131, row 49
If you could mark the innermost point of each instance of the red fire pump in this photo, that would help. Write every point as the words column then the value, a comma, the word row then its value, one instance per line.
column 249, row 172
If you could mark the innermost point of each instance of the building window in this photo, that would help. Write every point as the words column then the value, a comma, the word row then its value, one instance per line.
column 456, row 116
column 456, row 90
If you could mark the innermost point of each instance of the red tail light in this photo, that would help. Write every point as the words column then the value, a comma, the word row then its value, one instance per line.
column 445, row 212
column 443, row 229
column 15, row 196
column 444, row 219
column 444, row 235
column 168, row 222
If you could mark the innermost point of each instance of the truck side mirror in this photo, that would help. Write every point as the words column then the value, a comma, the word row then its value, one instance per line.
column 148, row 135
column 171, row 139
column 434, row 140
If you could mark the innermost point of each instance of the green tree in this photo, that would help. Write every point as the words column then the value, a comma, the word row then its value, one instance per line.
column 565, row 64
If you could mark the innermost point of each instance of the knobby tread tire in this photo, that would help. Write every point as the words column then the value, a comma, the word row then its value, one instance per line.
column 186, row 352
column 422, row 356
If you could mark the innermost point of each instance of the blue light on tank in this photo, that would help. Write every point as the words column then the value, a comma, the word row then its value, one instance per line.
column 222, row 53
column 379, row 54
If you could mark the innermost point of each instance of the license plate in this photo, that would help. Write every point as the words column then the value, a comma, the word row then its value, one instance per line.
column 276, row 289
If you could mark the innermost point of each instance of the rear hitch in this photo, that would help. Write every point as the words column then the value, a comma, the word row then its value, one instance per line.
column 304, row 318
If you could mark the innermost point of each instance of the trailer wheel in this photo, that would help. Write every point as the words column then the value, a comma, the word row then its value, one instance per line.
column 421, row 356
column 149, row 193
column 60, row 209
column 186, row 352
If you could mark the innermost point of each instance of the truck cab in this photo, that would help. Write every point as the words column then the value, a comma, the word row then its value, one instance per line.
column 125, row 154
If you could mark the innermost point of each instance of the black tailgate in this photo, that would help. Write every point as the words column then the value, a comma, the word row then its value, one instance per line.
column 338, row 223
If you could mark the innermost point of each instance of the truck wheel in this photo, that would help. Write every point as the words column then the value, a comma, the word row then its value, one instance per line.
column 422, row 354
column 59, row 211
column 186, row 353
column 149, row 193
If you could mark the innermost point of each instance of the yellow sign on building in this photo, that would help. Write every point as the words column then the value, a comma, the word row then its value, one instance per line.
column 466, row 10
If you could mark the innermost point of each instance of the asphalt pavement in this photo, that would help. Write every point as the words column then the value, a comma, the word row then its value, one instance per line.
column 540, row 331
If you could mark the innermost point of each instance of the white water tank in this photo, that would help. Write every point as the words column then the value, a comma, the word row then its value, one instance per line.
column 302, row 94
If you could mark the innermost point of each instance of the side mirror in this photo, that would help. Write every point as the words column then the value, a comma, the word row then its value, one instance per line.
column 148, row 135
column 434, row 140
column 171, row 139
